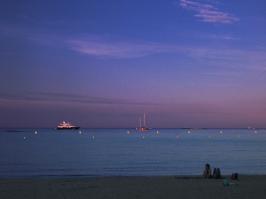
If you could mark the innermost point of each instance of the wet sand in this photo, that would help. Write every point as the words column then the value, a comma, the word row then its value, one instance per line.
column 132, row 187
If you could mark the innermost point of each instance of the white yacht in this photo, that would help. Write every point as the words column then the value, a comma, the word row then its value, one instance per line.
column 66, row 125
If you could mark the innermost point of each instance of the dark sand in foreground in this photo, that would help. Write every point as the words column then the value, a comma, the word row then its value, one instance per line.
column 249, row 187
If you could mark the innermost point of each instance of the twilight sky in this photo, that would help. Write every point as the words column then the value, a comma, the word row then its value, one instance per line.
column 102, row 63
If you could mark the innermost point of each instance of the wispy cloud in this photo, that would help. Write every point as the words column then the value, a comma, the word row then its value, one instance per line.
column 208, row 13
column 117, row 49
column 222, row 37
column 104, row 47
column 242, row 58
column 55, row 97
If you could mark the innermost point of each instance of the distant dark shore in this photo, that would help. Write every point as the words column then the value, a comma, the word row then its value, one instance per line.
column 26, row 129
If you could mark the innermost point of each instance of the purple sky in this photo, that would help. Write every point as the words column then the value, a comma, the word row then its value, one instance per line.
column 186, row 63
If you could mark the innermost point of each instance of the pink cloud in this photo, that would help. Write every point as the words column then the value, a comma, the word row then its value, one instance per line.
column 208, row 13
column 117, row 49
column 254, row 59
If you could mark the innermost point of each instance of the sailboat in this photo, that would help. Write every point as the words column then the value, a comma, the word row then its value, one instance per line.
column 143, row 128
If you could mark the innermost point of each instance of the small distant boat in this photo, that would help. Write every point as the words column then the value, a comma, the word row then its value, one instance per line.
column 143, row 128
column 66, row 125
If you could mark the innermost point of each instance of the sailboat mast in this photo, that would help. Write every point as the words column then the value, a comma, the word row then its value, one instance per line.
column 140, row 122
column 144, row 120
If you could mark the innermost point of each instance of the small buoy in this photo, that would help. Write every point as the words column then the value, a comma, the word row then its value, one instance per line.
column 80, row 132
column 188, row 132
column 157, row 132
column 221, row 132
column 128, row 132
column 255, row 131
column 93, row 137
column 24, row 138
column 36, row 132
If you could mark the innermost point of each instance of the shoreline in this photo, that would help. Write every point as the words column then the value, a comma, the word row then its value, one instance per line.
column 103, row 176
column 82, row 176
column 148, row 187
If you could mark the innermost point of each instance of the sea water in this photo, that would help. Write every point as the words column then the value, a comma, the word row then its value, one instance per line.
column 127, row 152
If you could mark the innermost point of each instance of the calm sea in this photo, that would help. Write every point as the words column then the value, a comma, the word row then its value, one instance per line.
column 126, row 152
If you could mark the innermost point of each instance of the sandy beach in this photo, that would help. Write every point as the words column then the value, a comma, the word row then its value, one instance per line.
column 132, row 187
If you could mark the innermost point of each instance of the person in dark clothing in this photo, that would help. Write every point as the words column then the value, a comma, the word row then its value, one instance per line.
column 207, row 173
column 216, row 173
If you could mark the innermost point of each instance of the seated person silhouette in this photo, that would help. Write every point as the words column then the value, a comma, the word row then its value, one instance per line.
column 207, row 173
